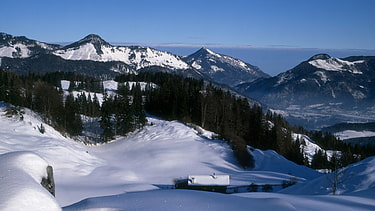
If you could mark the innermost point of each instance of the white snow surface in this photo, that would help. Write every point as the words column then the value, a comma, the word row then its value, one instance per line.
column 21, row 173
column 7, row 51
column 348, row 134
column 335, row 64
column 355, row 178
column 136, row 57
column 130, row 173
column 111, row 85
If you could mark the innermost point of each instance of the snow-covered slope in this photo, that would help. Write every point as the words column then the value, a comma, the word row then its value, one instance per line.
column 309, row 147
column 157, row 154
column 224, row 69
column 352, row 179
column 132, row 173
column 94, row 48
column 184, row 200
column 325, row 62
column 271, row 161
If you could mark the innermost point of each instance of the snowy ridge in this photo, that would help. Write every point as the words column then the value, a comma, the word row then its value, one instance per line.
column 137, row 57
column 92, row 48
column 335, row 64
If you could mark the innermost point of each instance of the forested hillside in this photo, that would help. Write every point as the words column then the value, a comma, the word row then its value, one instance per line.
column 91, row 114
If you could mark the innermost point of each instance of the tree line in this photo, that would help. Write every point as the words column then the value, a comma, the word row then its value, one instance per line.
column 117, row 114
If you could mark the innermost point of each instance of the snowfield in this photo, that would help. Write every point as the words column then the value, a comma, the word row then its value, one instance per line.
column 9, row 51
column 335, row 64
column 348, row 134
column 137, row 172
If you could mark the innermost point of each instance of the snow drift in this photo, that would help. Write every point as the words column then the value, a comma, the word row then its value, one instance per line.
column 21, row 174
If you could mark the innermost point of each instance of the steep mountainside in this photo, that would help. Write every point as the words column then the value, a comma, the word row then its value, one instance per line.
column 329, row 89
column 224, row 69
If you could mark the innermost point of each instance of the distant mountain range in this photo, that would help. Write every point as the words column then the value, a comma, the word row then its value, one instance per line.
column 321, row 91
column 94, row 56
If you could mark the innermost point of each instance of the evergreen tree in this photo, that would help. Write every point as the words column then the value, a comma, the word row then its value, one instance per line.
column 137, row 109
column 72, row 120
column 124, row 116
column 320, row 160
column 105, row 120
column 48, row 101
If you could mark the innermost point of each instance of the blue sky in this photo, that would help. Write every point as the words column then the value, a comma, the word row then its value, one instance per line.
column 319, row 24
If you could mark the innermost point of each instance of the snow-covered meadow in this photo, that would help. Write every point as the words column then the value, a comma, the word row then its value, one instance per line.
column 135, row 172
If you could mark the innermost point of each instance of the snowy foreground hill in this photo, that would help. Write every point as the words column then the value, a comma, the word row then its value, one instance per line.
column 133, row 173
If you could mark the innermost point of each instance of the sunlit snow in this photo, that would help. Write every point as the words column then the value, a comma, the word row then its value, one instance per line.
column 334, row 64
column 132, row 173
column 348, row 134
column 135, row 57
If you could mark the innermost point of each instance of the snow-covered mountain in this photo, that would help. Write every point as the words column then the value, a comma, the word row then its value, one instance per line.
column 224, row 69
column 23, row 55
column 91, row 56
column 94, row 48
column 22, row 47
column 326, row 88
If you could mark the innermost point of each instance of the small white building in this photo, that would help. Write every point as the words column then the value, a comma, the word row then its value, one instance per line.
column 209, row 180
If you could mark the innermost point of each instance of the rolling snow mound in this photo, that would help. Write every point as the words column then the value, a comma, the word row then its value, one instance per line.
column 21, row 174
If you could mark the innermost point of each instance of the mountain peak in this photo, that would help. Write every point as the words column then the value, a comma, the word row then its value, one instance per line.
column 94, row 39
column 205, row 51
column 321, row 56
column 223, row 69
